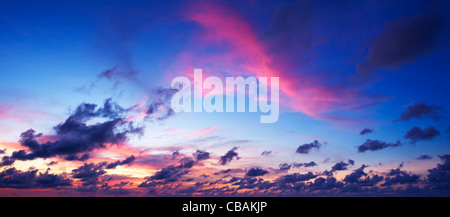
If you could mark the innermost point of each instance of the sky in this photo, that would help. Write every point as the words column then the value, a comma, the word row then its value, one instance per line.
column 85, row 98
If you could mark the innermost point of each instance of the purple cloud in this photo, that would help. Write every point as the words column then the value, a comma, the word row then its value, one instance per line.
column 416, row 134
column 365, row 131
column 13, row 178
column 229, row 156
column 424, row 157
column 420, row 110
column 256, row 172
column 374, row 145
column 403, row 40
column 306, row 148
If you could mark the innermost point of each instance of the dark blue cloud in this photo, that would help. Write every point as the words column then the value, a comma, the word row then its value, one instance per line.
column 187, row 162
column 356, row 174
column 251, row 183
column 286, row 166
column 13, row 178
column 51, row 163
column 424, row 157
column 201, row 155
column 171, row 173
column 397, row 176
column 374, row 145
column 7, row 160
column 228, row 171
column 74, row 138
column 403, row 40
column 256, row 172
column 420, row 110
column 309, row 164
column 439, row 177
column 229, row 156
column 321, row 183
column 73, row 157
column 89, row 175
column 416, row 134
column 266, row 153
column 289, row 28
column 359, row 178
column 116, row 73
column 366, row 131
column 161, row 99
column 342, row 165
column 296, row 177
column 307, row 147
column 128, row 160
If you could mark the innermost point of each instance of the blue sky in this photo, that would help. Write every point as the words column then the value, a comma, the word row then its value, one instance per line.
column 343, row 67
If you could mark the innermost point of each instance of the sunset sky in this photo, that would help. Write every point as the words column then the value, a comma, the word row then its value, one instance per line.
column 85, row 98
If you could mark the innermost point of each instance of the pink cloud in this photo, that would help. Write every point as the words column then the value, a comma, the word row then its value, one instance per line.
column 175, row 132
column 240, row 52
column 21, row 114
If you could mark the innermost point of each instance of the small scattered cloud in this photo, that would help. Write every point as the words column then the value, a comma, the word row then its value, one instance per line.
column 286, row 166
column 307, row 147
column 159, row 108
column 341, row 165
column 397, row 176
column 256, row 172
column 424, row 157
column 229, row 156
column 265, row 153
column 51, row 163
column 420, row 110
column 403, row 40
column 416, row 134
column 201, row 155
column 309, row 164
column 375, row 145
column 127, row 161
column 13, row 178
column 74, row 138
column 366, row 131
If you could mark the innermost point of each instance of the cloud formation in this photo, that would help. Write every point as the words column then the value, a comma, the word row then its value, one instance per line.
column 201, row 155
column 397, row 176
column 229, row 156
column 286, row 166
column 266, row 152
column 375, row 145
column 226, row 40
column 366, row 131
column 439, row 177
column 89, row 175
column 256, row 172
column 307, row 147
column 420, row 110
column 13, row 178
column 402, row 41
column 341, row 165
column 159, row 108
column 424, row 157
column 416, row 134
column 113, row 165
column 74, row 138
